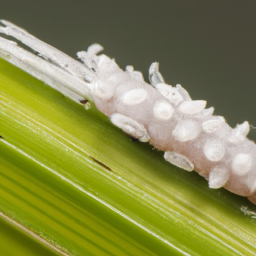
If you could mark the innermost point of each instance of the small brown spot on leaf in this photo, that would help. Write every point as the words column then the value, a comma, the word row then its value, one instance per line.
column 100, row 163
column 84, row 101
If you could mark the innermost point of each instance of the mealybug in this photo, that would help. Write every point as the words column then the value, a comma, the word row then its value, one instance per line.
column 163, row 115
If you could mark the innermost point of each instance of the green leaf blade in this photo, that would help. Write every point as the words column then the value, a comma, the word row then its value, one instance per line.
column 70, row 176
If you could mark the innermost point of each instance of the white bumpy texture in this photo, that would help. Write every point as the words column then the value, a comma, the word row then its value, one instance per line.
column 165, row 116
column 190, row 135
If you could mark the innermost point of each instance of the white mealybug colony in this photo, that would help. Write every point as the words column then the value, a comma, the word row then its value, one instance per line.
column 163, row 115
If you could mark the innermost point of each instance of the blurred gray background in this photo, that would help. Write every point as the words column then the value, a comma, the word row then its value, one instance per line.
column 207, row 46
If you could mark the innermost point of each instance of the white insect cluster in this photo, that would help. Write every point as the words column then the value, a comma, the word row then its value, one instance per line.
column 163, row 115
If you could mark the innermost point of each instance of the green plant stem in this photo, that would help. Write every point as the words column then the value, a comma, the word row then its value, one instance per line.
column 74, row 179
